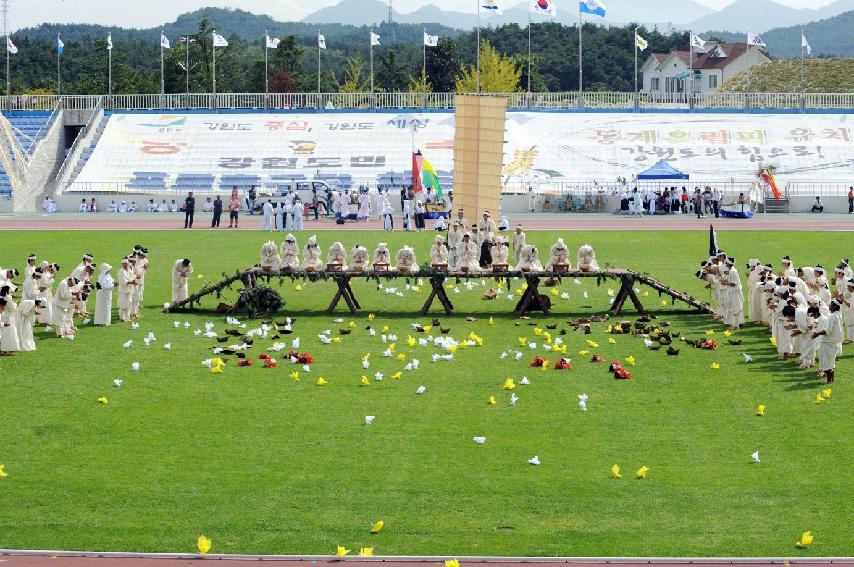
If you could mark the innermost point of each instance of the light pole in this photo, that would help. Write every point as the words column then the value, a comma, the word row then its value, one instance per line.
column 187, row 40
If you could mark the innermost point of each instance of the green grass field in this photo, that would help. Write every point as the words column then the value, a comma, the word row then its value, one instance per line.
column 261, row 463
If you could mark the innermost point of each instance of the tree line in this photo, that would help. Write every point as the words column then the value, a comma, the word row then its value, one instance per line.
column 608, row 62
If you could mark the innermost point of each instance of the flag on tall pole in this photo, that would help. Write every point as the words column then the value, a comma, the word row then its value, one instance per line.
column 429, row 41
column 109, row 64
column 544, row 8
column 805, row 44
column 164, row 44
column 60, row 49
column 216, row 41
column 429, row 177
column 752, row 39
column 321, row 44
column 269, row 43
column 805, row 48
column 10, row 50
column 642, row 44
column 375, row 40
column 595, row 8
column 10, row 47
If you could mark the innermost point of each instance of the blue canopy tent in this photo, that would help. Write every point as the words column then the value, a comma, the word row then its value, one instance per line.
column 662, row 170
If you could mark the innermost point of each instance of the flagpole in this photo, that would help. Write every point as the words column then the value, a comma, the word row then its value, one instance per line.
column 213, row 57
column 58, row 72
column 580, row 70
column 372, row 66
column 266, row 73
column 529, row 56
column 803, row 76
column 318, row 69
column 747, row 95
column 691, row 67
column 110, row 73
column 636, row 67
column 477, row 48
column 162, row 80
column 424, row 63
column 8, row 81
column 187, row 53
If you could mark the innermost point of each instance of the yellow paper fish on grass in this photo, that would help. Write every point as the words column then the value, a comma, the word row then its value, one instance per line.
column 710, row 331
column 583, row 352
column 508, row 384
column 366, row 357
column 806, row 539
column 366, row 551
column 427, row 328
column 336, row 340
column 392, row 347
column 298, row 287
column 295, row 376
column 102, row 400
column 375, row 529
column 204, row 544
column 491, row 401
column 554, row 291
column 826, row 393
column 727, row 333
column 630, row 360
column 352, row 324
column 592, row 344
column 321, row 381
column 612, row 341
column 371, row 316
column 715, row 366
column 818, row 398
column 523, row 341
column 396, row 375
column 491, row 322
column 545, row 364
column 216, row 369
column 341, row 551
column 615, row 471
column 645, row 294
column 642, row 472
column 401, row 357
column 664, row 303
column 410, row 341
column 773, row 341
column 760, row 410
column 452, row 563
column 365, row 381
column 538, row 331
column 452, row 348
column 3, row 472
column 385, row 328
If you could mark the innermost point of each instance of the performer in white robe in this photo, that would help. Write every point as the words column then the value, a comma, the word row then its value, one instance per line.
column 288, row 216
column 455, row 237
column 337, row 254
column 278, row 211
column 847, row 297
column 364, row 206
column 45, row 315
column 787, row 269
column 9, row 341
column 270, row 257
column 311, row 255
column 298, row 212
column 754, row 293
column 267, row 211
column 530, row 259
column 289, row 253
column 518, row 243
column 104, row 296
column 31, row 266
column 734, row 314
column 558, row 255
column 26, row 318
column 406, row 260
column 388, row 216
column 830, row 342
column 359, row 259
column 822, row 285
column 501, row 252
column 63, row 308
column 382, row 255
column 181, row 270
column 468, row 254
column 125, row 277
column 439, row 252
column 136, row 288
column 586, row 258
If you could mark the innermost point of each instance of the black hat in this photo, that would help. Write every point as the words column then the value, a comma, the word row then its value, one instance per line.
column 185, row 262
column 31, row 256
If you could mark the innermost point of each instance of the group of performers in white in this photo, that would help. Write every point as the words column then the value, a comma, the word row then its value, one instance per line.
column 808, row 314
column 460, row 254
column 56, row 309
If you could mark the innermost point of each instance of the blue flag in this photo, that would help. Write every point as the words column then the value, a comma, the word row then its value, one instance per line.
column 595, row 7
column 60, row 47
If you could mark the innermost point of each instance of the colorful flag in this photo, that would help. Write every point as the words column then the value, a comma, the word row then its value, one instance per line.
column 755, row 39
column 489, row 7
column 640, row 42
column 430, row 178
column 375, row 39
column 594, row 7
column 164, row 41
column 218, row 40
column 109, row 42
column 431, row 40
column 272, row 42
column 804, row 43
column 544, row 8
column 416, row 172
column 321, row 41
column 11, row 46
column 60, row 47
column 697, row 41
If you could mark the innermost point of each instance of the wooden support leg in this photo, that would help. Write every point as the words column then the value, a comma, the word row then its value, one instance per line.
column 531, row 296
column 343, row 284
column 627, row 291
column 352, row 295
column 438, row 291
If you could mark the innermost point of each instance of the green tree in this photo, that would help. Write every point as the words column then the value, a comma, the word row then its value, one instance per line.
column 353, row 80
column 392, row 75
column 498, row 73
column 443, row 64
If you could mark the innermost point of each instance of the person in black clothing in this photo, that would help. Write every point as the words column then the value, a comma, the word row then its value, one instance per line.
column 253, row 194
column 404, row 194
column 315, row 202
column 217, row 212
column 189, row 209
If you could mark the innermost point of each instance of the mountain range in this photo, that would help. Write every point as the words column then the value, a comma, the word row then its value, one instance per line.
column 757, row 16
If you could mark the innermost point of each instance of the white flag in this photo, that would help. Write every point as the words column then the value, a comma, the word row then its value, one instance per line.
column 164, row 41
column 375, row 39
column 697, row 41
column 11, row 46
column 431, row 40
column 321, row 41
column 804, row 43
column 544, row 8
column 272, row 42
column 755, row 39
column 109, row 41
column 218, row 40
column 640, row 42
column 489, row 7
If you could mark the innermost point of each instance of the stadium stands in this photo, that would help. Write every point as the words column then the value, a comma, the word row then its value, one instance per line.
column 30, row 127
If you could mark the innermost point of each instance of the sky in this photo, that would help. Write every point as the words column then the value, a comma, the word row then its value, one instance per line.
column 149, row 13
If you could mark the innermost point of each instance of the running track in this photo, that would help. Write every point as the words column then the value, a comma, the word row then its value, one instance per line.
column 535, row 221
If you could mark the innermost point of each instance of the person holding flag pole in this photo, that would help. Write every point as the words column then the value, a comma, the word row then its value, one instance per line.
column 164, row 44
column 805, row 47
column 321, row 44
column 217, row 41
column 546, row 8
column 375, row 40
column 109, row 66
column 642, row 44
column 596, row 8
column 269, row 43
column 60, row 47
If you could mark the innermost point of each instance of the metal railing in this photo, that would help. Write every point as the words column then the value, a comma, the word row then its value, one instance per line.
column 378, row 100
